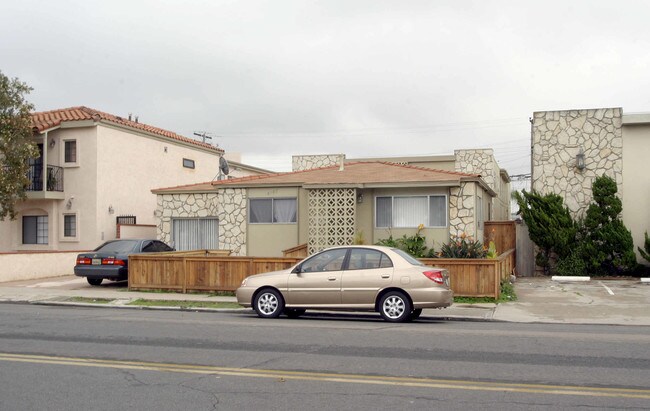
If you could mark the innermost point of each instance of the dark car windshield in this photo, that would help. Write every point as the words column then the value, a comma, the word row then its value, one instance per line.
column 122, row 246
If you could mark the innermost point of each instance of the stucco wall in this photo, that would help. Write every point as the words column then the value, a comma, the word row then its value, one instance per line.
column 268, row 240
column 636, row 182
column 558, row 136
column 22, row 266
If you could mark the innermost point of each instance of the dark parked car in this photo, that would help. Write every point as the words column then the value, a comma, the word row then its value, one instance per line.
column 110, row 260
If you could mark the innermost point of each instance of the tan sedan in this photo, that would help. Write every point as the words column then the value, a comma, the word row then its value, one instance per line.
column 371, row 278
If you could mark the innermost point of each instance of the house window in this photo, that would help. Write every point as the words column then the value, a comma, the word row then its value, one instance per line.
column 411, row 211
column 272, row 210
column 195, row 233
column 70, row 151
column 69, row 225
column 187, row 163
column 35, row 229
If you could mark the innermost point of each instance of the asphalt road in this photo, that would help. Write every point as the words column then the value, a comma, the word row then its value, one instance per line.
column 73, row 358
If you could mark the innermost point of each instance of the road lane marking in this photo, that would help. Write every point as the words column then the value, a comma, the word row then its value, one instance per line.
column 332, row 377
column 609, row 290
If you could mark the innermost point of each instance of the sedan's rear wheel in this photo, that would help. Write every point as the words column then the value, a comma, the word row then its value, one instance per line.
column 268, row 303
column 395, row 307
column 94, row 281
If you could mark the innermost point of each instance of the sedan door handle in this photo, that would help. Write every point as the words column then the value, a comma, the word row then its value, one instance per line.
column 385, row 276
column 331, row 279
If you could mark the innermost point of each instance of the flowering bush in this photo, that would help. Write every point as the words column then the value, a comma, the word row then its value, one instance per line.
column 462, row 246
column 415, row 245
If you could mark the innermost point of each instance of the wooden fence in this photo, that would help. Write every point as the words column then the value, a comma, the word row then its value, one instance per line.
column 503, row 233
column 200, row 271
column 476, row 277
column 186, row 271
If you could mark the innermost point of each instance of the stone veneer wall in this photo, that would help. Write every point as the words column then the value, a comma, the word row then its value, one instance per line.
column 462, row 203
column 229, row 205
column 480, row 161
column 557, row 137
column 299, row 163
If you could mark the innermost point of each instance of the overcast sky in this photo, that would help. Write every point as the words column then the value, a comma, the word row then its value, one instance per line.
column 271, row 79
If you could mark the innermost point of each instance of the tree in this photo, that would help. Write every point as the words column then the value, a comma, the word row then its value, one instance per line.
column 608, row 247
column 550, row 225
column 16, row 146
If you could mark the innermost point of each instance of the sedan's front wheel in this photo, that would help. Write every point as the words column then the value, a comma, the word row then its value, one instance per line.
column 395, row 307
column 268, row 303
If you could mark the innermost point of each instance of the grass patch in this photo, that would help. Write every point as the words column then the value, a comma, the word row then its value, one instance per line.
column 90, row 300
column 507, row 295
column 183, row 304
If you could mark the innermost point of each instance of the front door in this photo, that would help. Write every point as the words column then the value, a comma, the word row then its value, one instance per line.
column 318, row 282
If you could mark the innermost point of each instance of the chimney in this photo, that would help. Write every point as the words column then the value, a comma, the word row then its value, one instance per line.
column 342, row 160
column 129, row 116
column 136, row 119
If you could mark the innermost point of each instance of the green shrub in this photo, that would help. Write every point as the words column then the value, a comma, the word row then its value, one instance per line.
column 462, row 247
column 608, row 247
column 415, row 245
column 550, row 225
column 572, row 265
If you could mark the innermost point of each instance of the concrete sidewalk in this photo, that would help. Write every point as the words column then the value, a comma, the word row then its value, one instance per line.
column 540, row 300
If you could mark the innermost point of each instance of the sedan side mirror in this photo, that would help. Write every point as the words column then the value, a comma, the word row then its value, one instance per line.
column 296, row 270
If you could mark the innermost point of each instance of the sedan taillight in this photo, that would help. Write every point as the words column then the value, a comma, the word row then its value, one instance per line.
column 112, row 261
column 84, row 261
column 435, row 276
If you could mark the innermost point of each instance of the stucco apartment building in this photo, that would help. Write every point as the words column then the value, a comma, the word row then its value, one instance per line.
column 96, row 167
column 570, row 148
column 328, row 201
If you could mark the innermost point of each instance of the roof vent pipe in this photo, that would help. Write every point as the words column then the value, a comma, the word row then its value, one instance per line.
column 342, row 161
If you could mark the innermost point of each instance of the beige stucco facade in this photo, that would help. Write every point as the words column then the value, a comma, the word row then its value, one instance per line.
column 116, row 167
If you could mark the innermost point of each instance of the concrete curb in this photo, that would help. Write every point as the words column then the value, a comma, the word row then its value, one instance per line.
column 567, row 278
column 645, row 280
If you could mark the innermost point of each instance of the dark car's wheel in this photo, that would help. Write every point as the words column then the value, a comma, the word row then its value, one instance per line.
column 395, row 307
column 415, row 314
column 94, row 281
column 294, row 312
column 268, row 303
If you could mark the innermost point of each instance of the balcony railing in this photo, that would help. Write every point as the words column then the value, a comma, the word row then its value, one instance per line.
column 54, row 178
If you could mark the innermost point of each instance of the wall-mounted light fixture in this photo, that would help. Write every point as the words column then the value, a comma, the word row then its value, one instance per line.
column 52, row 143
column 580, row 160
column 111, row 210
column 360, row 197
column 68, row 204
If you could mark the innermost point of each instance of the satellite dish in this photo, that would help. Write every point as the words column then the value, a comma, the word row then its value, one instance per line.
column 223, row 166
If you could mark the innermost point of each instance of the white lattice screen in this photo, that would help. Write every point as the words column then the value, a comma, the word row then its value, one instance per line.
column 332, row 215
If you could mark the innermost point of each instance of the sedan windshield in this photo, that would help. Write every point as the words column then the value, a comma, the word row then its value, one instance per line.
column 118, row 246
column 408, row 257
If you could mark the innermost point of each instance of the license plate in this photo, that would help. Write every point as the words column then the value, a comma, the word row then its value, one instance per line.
column 97, row 261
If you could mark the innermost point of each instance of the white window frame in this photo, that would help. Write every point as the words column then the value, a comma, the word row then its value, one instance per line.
column 273, row 199
column 75, row 163
column 427, row 222
column 62, row 236
column 47, row 230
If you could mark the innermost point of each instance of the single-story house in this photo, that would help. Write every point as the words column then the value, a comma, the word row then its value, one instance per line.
column 336, row 204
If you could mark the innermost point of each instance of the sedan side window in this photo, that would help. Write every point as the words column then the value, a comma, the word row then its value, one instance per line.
column 367, row 259
column 148, row 247
column 331, row 260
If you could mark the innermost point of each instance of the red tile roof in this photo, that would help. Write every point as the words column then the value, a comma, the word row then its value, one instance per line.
column 363, row 173
column 45, row 120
